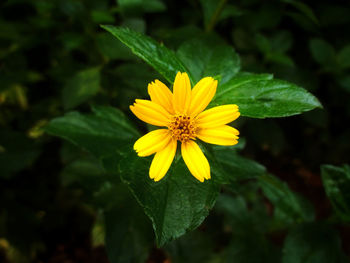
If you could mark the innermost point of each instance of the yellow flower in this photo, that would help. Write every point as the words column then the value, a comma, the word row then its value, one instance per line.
column 182, row 116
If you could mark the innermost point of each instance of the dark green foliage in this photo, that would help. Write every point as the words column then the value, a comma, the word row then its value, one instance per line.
column 311, row 243
column 103, row 134
column 16, row 152
column 259, row 96
column 128, row 235
column 323, row 52
column 176, row 204
column 73, row 190
column 336, row 181
column 288, row 205
column 202, row 59
column 84, row 85
column 157, row 55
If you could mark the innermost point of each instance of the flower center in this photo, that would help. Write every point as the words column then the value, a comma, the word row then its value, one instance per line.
column 182, row 128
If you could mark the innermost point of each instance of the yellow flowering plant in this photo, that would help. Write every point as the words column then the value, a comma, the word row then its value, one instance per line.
column 180, row 194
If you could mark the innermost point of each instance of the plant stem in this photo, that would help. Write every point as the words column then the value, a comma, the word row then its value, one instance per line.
column 209, row 27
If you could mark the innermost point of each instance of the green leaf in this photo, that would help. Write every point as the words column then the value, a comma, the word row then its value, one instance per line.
column 263, row 43
column 288, row 204
column 305, row 9
column 260, row 96
column 322, row 52
column 176, row 204
column 240, row 79
column 336, row 181
column 209, row 57
column 281, row 42
column 106, row 132
column 280, row 58
column 157, row 55
column 84, row 85
column 313, row 243
column 273, row 48
column 237, row 167
column 343, row 57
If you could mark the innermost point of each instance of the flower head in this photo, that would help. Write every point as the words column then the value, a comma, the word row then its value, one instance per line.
column 183, row 117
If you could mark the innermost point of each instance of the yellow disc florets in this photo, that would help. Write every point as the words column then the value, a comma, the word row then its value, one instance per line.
column 182, row 128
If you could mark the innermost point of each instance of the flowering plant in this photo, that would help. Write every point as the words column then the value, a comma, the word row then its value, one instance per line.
column 175, row 201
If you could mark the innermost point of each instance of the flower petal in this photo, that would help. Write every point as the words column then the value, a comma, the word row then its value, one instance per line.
column 162, row 161
column 222, row 135
column 202, row 94
column 195, row 160
column 150, row 112
column 152, row 142
column 181, row 93
column 217, row 116
column 160, row 94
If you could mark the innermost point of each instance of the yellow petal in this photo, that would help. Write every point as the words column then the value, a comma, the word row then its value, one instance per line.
column 181, row 93
column 150, row 112
column 162, row 161
column 152, row 142
column 217, row 116
column 160, row 94
column 202, row 94
column 222, row 135
column 195, row 160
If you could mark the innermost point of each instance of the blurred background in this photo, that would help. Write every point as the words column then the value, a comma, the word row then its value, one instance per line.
column 57, row 204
